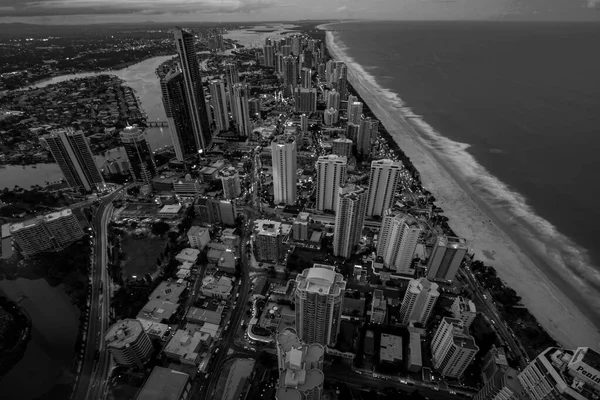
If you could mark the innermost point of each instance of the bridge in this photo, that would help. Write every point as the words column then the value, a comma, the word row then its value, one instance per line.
column 151, row 124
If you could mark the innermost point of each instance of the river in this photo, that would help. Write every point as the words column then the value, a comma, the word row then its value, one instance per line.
column 50, row 351
column 141, row 77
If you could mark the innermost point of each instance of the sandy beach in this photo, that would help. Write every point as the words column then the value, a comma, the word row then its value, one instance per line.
column 487, row 229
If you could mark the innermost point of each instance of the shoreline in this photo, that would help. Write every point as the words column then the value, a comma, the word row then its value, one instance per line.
column 470, row 217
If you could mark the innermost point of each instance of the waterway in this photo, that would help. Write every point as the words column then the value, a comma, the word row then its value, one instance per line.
column 50, row 352
column 141, row 77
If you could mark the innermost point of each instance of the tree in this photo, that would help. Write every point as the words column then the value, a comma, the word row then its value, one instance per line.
column 160, row 228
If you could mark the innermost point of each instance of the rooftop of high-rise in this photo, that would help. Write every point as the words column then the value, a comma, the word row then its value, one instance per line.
column 228, row 172
column 131, row 132
column 17, row 226
column 387, row 162
column 284, row 139
column 321, row 279
column 351, row 191
column 333, row 157
column 460, row 334
column 123, row 333
column 416, row 286
column 267, row 227
column 452, row 241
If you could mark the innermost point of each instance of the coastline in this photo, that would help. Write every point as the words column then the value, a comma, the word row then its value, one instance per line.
column 486, row 229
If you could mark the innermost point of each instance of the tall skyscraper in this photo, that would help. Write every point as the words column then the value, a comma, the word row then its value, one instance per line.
column 51, row 232
column 342, row 81
column 355, row 112
column 71, row 151
column 304, row 123
column 418, row 302
column 141, row 158
column 184, row 41
column 330, row 116
column 349, row 219
column 240, row 109
column 306, row 78
column 278, row 63
column 319, row 301
column 342, row 147
column 286, row 50
column 178, row 113
column 300, row 367
column 268, row 53
column 398, row 238
column 366, row 134
column 129, row 345
column 383, row 185
column 329, row 72
column 333, row 99
column 306, row 100
column 446, row 256
column 351, row 100
column 231, row 75
column 331, row 174
column 219, row 103
column 452, row 348
column 352, row 131
column 560, row 374
column 283, row 157
column 231, row 182
column 290, row 74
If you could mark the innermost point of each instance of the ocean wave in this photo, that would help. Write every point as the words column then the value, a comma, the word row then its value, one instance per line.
column 567, row 259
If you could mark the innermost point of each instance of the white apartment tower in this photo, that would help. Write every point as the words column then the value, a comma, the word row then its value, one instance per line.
column 419, row 300
column 71, row 151
column 446, row 256
column 330, row 116
column 231, row 182
column 219, row 103
column 464, row 310
column 127, row 342
column 349, row 219
column 319, row 303
column 383, row 185
column 331, row 174
column 398, row 238
column 452, row 348
column 283, row 157
column 333, row 100
column 355, row 110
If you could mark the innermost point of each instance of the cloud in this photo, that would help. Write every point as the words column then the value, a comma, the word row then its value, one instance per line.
column 593, row 4
column 75, row 7
column 342, row 9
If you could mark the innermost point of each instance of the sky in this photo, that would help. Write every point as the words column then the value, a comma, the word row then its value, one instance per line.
column 110, row 11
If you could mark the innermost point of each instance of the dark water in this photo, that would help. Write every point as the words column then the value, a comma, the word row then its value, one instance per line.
column 523, row 100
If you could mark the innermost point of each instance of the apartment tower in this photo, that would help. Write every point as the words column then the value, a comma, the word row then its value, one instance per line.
column 129, row 345
column 398, row 238
column 283, row 157
column 383, row 185
column 230, row 179
column 446, row 256
column 349, row 219
column 418, row 302
column 141, row 158
column 452, row 348
column 240, row 109
column 219, row 103
column 331, row 174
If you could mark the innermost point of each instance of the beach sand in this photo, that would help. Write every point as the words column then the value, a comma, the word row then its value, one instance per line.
column 250, row 38
column 486, row 229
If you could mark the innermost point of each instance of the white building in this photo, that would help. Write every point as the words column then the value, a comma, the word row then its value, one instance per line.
column 355, row 110
column 217, row 288
column 198, row 237
column 283, row 157
column 333, row 100
column 383, row 185
column 231, row 182
column 127, row 342
column 331, row 174
column 446, row 256
column 419, row 300
column 464, row 310
column 398, row 238
column 331, row 116
column 349, row 219
column 452, row 348
column 319, row 300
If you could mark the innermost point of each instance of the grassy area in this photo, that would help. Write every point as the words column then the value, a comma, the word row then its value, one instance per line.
column 141, row 255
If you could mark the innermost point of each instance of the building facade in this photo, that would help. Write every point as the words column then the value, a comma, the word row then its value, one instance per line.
column 284, row 162
column 240, row 108
column 398, row 238
column 452, row 348
column 230, row 179
column 141, row 158
column 446, row 256
column 331, row 174
column 178, row 114
column 383, row 185
column 349, row 219
column 342, row 147
column 418, row 302
column 367, row 133
column 219, row 103
column 464, row 310
column 127, row 342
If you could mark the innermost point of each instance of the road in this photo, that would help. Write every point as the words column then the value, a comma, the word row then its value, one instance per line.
column 94, row 370
column 489, row 310
column 236, row 316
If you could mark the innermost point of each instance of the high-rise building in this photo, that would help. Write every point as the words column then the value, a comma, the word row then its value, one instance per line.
column 219, row 103
column 319, row 300
column 127, row 342
column 352, row 131
column 184, row 42
column 418, row 302
column 231, row 182
column 71, row 151
column 329, row 72
column 300, row 368
column 141, row 158
column 278, row 63
column 295, row 45
column 283, row 158
column 333, row 99
column 268, row 241
column 300, row 229
column 286, row 50
column 269, row 53
column 330, row 116
column 452, row 348
column 504, row 385
column 560, row 374
column 378, row 307
column 351, row 100
column 464, row 310
column 446, row 256
column 306, row 78
column 305, row 100
column 51, row 232
column 290, row 74
column 240, row 109
column 231, row 75
column 304, row 123
column 355, row 112
column 366, row 134
column 331, row 174
column 254, row 106
column 398, row 238
column 342, row 147
column 342, row 81
column 178, row 115
column 383, row 185
column 349, row 219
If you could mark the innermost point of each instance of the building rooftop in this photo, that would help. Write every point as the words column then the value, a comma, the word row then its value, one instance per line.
column 204, row 315
column 267, row 227
column 171, row 209
column 5, row 231
column 453, row 242
column 189, row 255
column 387, row 162
column 416, row 357
column 185, row 344
column 154, row 328
column 320, row 279
column 123, row 333
column 57, row 215
column 164, row 384
column 390, row 349
column 197, row 230
column 228, row 172
column 167, row 291
column 158, row 310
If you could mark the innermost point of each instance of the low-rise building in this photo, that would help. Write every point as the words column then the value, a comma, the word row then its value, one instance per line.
column 378, row 307
column 219, row 288
column 390, row 349
column 155, row 330
column 201, row 315
column 167, row 291
column 414, row 361
column 159, row 311
column 170, row 211
column 166, row 383
column 227, row 262
column 464, row 309
column 184, row 346
column 188, row 255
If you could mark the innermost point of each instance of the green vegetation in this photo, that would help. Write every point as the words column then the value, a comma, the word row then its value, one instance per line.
column 19, row 201
column 140, row 255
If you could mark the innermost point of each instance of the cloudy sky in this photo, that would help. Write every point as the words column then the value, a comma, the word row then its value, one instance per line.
column 98, row 11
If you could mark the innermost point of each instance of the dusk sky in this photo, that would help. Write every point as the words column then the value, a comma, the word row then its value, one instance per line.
column 99, row 11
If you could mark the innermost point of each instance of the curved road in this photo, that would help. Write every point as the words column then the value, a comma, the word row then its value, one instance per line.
column 94, row 370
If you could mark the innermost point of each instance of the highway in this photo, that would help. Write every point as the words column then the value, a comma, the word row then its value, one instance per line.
column 94, row 370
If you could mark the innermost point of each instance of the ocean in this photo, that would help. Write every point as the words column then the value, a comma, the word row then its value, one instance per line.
column 515, row 106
